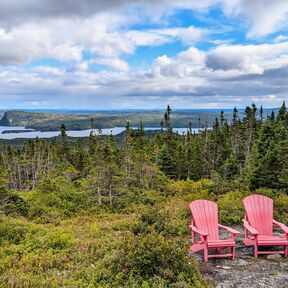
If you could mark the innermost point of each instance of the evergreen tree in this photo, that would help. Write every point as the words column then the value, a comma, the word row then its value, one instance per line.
column 222, row 119
column 282, row 112
column 261, row 114
column 167, row 163
column 264, row 160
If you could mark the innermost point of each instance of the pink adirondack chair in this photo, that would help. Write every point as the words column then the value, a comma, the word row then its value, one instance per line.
column 205, row 224
column 258, row 225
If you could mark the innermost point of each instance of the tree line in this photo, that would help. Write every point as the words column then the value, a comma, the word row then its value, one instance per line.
column 251, row 149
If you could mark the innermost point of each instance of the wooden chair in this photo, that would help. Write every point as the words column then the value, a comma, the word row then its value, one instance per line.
column 258, row 225
column 205, row 223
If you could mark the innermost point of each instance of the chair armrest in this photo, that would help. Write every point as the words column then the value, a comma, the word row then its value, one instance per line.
column 250, row 228
column 232, row 231
column 202, row 233
column 281, row 225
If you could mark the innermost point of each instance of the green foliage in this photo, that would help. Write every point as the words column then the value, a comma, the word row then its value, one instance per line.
column 58, row 241
column 167, row 162
column 155, row 260
column 14, row 204
column 3, row 179
column 56, row 199
column 11, row 232
column 230, row 207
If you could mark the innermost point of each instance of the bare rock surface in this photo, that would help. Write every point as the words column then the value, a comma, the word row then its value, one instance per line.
column 246, row 271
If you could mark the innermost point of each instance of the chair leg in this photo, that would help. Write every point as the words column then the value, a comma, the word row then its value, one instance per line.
column 233, row 252
column 285, row 251
column 206, row 254
column 256, row 251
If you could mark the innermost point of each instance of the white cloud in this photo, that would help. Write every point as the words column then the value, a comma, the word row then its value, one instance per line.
column 64, row 40
column 248, row 58
column 118, row 64
column 265, row 16
column 47, row 70
column 192, row 55
column 184, row 65
column 186, row 35
column 33, row 41
column 155, row 37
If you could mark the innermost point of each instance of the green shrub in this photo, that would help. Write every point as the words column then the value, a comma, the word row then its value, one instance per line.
column 15, row 204
column 153, row 259
column 281, row 208
column 11, row 231
column 59, row 241
column 56, row 199
column 127, row 200
column 230, row 205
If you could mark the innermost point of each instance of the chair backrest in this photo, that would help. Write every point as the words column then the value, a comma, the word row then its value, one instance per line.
column 205, row 217
column 259, row 213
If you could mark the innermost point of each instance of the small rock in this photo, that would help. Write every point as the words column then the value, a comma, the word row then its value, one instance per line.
column 224, row 267
column 273, row 256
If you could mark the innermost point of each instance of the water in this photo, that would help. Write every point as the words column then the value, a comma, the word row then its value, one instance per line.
column 82, row 133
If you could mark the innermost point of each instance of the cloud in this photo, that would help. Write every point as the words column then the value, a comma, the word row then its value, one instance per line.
column 185, row 80
column 192, row 86
column 33, row 41
column 248, row 58
column 34, row 10
column 185, row 64
column 155, row 37
column 187, row 35
column 118, row 64
column 264, row 16
column 64, row 40
column 86, row 35
column 67, row 39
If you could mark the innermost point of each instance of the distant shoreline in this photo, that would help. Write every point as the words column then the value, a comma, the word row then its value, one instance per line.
column 17, row 131
column 72, row 110
column 84, row 120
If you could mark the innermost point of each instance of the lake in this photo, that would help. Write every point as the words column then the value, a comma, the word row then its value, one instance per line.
column 82, row 133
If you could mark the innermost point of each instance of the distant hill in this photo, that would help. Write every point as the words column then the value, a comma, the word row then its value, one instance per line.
column 81, row 120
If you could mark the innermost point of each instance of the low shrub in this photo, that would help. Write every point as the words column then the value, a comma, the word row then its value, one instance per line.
column 153, row 260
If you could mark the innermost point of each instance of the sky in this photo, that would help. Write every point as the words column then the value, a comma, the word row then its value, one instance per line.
column 117, row 54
